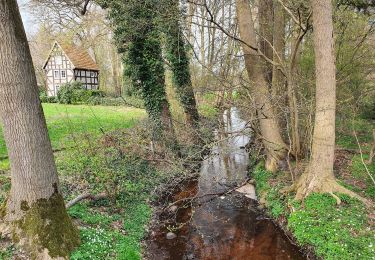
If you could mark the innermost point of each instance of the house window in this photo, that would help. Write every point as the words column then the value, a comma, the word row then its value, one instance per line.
column 63, row 74
column 92, row 74
column 57, row 88
column 57, row 74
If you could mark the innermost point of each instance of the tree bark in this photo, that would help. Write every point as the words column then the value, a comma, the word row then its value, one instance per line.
column 275, row 146
column 34, row 213
column 178, row 57
column 319, row 176
column 266, row 35
column 278, row 78
column 115, row 73
column 292, row 86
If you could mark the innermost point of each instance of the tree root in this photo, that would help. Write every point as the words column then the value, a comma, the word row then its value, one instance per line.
column 288, row 189
column 304, row 187
column 338, row 201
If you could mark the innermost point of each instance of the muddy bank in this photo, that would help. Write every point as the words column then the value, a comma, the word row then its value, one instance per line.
column 204, row 221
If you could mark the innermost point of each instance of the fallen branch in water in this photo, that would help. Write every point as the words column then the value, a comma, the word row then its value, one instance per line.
column 85, row 196
column 214, row 195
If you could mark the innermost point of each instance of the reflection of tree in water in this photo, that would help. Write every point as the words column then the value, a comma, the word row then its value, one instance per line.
column 227, row 228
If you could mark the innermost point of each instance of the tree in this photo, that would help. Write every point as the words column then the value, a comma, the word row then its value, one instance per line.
column 138, row 37
column 266, row 18
column 319, row 177
column 179, row 61
column 34, row 213
column 272, row 140
column 278, row 79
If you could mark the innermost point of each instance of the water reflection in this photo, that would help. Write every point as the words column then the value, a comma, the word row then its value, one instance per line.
column 225, row 226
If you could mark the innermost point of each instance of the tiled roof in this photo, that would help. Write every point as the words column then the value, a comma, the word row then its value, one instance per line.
column 79, row 57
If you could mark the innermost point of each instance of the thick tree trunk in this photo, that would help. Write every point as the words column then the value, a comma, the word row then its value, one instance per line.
column 319, row 176
column 275, row 147
column 34, row 213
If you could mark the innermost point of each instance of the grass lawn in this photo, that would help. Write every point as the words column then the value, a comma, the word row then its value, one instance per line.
column 66, row 122
column 112, row 228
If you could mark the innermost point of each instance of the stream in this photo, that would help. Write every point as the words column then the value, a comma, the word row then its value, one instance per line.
column 225, row 226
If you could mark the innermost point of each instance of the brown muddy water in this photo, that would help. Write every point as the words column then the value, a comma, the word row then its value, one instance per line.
column 218, row 225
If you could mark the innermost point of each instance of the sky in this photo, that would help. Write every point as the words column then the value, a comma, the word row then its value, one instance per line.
column 27, row 18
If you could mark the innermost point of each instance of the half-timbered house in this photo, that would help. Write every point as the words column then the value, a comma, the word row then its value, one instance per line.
column 67, row 63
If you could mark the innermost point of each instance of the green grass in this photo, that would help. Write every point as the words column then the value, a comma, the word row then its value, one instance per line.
column 67, row 123
column 101, row 241
column 112, row 228
column 345, row 137
column 6, row 253
column 334, row 231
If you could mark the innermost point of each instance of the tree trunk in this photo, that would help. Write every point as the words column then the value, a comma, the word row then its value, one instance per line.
column 34, row 213
column 275, row 146
column 115, row 73
column 319, row 176
column 189, row 25
column 145, row 54
column 293, row 111
column 178, row 57
column 266, row 35
column 292, row 86
column 278, row 78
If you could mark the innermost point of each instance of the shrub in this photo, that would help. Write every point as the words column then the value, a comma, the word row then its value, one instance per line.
column 43, row 96
column 66, row 93
column 46, row 99
column 74, row 93
column 119, row 101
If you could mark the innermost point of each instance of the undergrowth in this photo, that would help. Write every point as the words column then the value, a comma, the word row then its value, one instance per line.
column 111, row 228
column 110, row 236
column 334, row 231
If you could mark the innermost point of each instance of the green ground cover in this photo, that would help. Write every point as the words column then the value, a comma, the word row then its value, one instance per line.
column 112, row 228
column 334, row 231
column 342, row 231
column 67, row 122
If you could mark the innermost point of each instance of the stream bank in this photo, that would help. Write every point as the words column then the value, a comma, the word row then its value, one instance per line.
column 205, row 221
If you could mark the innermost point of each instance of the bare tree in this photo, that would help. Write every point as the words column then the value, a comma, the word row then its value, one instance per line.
column 319, row 176
column 275, row 147
column 34, row 213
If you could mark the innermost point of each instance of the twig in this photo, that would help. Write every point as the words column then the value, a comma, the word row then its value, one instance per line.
column 372, row 152
column 363, row 161
column 85, row 196
column 208, row 194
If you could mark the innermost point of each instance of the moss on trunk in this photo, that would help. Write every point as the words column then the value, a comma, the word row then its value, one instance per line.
column 46, row 229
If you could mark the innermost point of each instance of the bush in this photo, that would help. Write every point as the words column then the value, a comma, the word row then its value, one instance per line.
column 119, row 101
column 66, row 93
column 74, row 93
column 46, row 99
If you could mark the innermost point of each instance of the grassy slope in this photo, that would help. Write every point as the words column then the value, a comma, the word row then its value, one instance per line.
column 110, row 230
column 65, row 122
column 334, row 231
